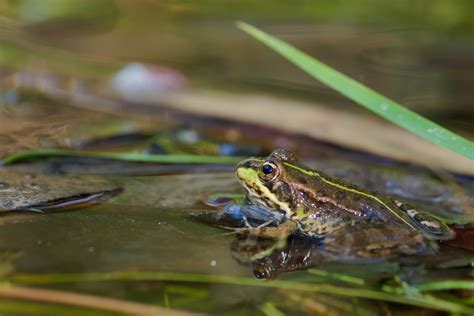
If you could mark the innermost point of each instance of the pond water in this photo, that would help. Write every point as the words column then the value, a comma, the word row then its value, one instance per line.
column 61, row 88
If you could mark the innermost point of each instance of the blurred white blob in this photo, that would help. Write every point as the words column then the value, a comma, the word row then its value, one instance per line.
column 136, row 80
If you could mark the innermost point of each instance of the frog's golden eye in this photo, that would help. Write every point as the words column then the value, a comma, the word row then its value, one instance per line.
column 268, row 171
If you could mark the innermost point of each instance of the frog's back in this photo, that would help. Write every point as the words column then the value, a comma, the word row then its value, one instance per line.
column 365, row 203
column 391, row 211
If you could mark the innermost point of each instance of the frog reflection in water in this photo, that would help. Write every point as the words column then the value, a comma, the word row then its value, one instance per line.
column 351, row 221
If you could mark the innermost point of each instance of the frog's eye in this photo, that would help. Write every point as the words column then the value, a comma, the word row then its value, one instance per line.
column 268, row 171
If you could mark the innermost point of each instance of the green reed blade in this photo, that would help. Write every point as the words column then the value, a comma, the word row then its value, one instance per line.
column 365, row 96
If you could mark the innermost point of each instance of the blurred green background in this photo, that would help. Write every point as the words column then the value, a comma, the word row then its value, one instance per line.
column 419, row 53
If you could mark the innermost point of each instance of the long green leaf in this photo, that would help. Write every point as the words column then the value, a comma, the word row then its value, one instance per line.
column 365, row 96
column 127, row 156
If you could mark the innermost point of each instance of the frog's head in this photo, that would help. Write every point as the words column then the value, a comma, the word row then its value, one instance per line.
column 267, row 182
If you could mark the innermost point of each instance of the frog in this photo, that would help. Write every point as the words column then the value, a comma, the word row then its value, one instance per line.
column 346, row 219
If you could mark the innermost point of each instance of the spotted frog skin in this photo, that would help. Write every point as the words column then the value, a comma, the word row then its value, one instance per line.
column 326, row 207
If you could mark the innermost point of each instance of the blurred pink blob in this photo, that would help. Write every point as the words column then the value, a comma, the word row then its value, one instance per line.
column 136, row 79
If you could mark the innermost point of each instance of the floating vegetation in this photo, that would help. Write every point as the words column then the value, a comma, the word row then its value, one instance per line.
column 404, row 294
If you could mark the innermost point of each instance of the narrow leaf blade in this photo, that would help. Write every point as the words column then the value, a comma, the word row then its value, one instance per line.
column 365, row 96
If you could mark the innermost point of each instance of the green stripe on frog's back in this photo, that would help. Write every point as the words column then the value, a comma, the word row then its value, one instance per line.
column 345, row 188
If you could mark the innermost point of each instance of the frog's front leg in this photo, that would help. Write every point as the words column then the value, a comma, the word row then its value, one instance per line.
column 368, row 240
column 283, row 230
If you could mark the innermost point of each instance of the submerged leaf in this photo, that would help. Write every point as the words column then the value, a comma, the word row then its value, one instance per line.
column 38, row 193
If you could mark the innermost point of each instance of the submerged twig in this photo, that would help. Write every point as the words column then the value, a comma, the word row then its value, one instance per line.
column 311, row 305
column 84, row 300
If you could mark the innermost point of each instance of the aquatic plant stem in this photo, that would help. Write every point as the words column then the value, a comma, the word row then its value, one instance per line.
column 418, row 299
column 364, row 96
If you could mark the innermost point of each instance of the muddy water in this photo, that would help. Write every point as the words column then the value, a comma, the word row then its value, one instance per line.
column 138, row 229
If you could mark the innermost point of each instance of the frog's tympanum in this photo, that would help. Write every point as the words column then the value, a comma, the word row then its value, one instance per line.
column 349, row 220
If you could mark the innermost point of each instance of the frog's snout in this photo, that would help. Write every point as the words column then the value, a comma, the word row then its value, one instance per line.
column 247, row 169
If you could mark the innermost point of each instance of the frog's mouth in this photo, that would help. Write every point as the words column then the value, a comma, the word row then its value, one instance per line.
column 257, row 192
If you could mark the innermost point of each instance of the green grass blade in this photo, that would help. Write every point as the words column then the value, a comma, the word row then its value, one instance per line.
column 445, row 285
column 365, row 96
column 269, row 309
column 127, row 156
column 337, row 276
